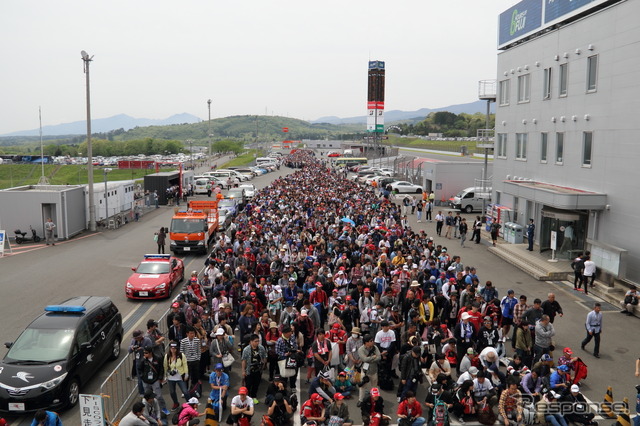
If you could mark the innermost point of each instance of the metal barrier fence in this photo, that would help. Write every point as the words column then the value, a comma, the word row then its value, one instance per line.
column 121, row 388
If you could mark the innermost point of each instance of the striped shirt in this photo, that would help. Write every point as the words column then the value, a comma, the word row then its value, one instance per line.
column 190, row 349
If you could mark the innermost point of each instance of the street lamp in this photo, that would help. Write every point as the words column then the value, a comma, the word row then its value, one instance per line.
column 209, row 106
column 92, row 205
column 106, row 194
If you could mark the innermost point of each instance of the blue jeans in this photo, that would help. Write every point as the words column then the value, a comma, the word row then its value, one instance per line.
column 555, row 419
column 183, row 388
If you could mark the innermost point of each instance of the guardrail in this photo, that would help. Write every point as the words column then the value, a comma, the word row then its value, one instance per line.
column 121, row 388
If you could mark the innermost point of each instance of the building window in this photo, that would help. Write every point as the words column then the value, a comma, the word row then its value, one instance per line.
column 546, row 87
column 592, row 73
column 523, row 88
column 543, row 147
column 521, row 146
column 562, row 89
column 504, row 92
column 501, row 151
column 587, row 148
column 559, row 147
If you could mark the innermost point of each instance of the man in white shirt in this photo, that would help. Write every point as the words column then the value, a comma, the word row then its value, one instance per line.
column 589, row 273
column 483, row 391
column 385, row 340
column 241, row 406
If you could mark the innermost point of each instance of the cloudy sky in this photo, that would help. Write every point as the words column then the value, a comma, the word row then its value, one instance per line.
column 302, row 59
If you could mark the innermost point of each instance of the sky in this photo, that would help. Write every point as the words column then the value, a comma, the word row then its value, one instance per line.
column 301, row 59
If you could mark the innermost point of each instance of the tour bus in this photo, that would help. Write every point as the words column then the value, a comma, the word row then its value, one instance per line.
column 348, row 161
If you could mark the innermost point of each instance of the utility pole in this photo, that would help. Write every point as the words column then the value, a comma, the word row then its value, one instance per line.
column 92, row 202
column 209, row 106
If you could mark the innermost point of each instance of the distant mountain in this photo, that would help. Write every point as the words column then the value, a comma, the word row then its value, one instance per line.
column 102, row 125
column 397, row 115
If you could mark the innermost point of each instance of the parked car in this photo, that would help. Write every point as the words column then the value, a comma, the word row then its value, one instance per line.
column 249, row 190
column 224, row 219
column 239, row 195
column 404, row 187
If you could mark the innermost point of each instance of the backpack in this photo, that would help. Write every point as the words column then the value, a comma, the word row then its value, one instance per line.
column 176, row 417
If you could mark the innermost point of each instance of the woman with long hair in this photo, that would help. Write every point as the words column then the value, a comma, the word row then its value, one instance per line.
column 176, row 373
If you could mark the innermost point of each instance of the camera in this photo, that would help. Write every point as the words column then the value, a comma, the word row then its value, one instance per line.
column 173, row 372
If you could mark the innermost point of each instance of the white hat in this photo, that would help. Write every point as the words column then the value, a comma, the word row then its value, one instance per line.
column 473, row 370
column 556, row 395
column 277, row 288
column 465, row 315
column 220, row 332
column 575, row 388
column 193, row 400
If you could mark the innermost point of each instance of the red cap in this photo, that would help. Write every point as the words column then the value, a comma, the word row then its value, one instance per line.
column 338, row 396
column 253, row 294
column 452, row 280
column 175, row 305
column 229, row 251
column 568, row 351
column 316, row 397
column 243, row 391
column 375, row 392
column 319, row 284
column 334, row 291
column 336, row 326
column 348, row 298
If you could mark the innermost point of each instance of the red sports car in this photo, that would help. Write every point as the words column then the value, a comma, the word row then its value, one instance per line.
column 155, row 277
column 334, row 154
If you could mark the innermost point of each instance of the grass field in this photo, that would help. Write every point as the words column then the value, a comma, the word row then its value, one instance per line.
column 242, row 160
column 12, row 175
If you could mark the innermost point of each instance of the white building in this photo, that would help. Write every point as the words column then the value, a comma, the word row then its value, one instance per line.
column 566, row 148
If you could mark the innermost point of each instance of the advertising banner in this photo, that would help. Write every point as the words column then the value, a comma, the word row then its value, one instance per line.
column 554, row 9
column 519, row 20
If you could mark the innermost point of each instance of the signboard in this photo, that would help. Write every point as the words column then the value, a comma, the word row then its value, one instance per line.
column 554, row 9
column 376, row 65
column 554, row 240
column 4, row 242
column 285, row 129
column 91, row 410
column 519, row 20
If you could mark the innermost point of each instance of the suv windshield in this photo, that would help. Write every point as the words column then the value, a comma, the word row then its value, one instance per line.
column 226, row 203
column 41, row 345
column 187, row 226
column 153, row 268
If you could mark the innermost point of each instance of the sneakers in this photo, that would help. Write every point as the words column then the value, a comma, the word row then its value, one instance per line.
column 359, row 404
column 399, row 400
column 165, row 411
column 175, row 407
column 460, row 419
column 255, row 401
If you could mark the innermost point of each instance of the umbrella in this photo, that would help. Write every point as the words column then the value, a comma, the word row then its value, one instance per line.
column 347, row 220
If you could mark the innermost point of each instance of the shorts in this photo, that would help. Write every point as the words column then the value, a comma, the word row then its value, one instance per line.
column 507, row 321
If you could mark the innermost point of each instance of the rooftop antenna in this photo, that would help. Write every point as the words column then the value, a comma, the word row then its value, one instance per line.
column 43, row 179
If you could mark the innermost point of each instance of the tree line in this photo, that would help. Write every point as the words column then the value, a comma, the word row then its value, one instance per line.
column 449, row 124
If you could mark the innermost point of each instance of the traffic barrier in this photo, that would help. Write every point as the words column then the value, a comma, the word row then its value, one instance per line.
column 624, row 418
column 605, row 410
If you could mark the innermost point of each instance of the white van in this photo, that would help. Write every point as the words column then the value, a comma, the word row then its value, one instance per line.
column 263, row 160
column 470, row 199
column 200, row 186
column 224, row 176
column 235, row 173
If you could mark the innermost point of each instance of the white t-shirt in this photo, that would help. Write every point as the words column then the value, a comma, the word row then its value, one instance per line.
column 589, row 268
column 239, row 403
column 480, row 390
column 385, row 339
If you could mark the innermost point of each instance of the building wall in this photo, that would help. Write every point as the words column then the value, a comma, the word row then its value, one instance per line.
column 20, row 209
column 614, row 36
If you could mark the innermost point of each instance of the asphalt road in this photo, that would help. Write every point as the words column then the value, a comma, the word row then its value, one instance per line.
column 99, row 264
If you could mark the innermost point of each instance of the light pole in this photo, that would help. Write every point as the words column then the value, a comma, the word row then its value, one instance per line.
column 92, row 205
column 106, row 194
column 190, row 142
column 209, row 106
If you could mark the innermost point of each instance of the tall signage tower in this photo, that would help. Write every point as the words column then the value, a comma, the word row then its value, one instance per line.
column 375, row 99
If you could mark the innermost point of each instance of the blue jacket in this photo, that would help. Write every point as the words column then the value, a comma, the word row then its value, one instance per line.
column 507, row 305
column 51, row 420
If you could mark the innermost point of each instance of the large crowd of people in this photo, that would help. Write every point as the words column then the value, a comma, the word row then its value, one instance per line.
column 324, row 278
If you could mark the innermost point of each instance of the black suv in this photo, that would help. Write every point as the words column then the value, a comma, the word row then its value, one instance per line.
column 57, row 353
